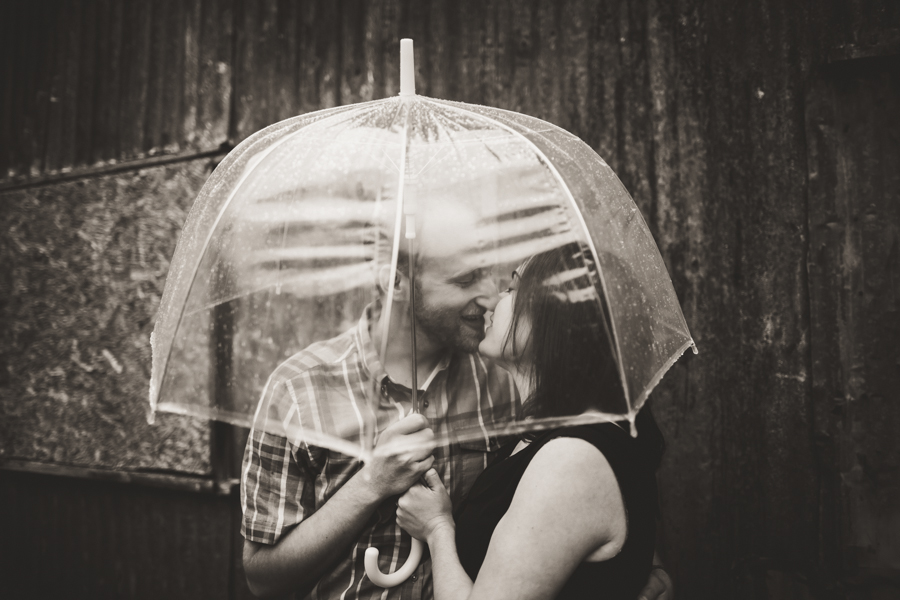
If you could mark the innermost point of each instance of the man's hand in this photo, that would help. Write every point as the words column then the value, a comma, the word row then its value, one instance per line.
column 401, row 457
column 659, row 586
column 307, row 551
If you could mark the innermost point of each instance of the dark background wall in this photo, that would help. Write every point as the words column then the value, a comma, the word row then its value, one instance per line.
column 760, row 139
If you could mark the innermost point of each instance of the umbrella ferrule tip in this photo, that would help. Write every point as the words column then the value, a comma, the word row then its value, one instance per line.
column 407, row 68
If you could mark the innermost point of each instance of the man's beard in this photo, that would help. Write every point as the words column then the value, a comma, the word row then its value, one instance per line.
column 443, row 326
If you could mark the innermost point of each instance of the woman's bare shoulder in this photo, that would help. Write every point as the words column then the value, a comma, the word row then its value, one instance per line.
column 571, row 460
column 570, row 488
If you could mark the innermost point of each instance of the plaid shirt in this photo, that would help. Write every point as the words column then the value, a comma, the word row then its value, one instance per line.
column 286, row 478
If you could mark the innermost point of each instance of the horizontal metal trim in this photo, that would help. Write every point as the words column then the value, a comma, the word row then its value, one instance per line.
column 111, row 168
column 190, row 483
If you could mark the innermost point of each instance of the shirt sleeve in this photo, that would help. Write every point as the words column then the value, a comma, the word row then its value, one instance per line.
column 277, row 483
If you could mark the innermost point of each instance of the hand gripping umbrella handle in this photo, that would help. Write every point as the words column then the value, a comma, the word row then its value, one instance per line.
column 398, row 576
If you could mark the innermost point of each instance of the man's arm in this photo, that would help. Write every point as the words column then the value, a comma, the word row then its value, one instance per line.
column 301, row 556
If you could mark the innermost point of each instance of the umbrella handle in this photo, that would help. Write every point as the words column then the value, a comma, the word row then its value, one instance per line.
column 398, row 576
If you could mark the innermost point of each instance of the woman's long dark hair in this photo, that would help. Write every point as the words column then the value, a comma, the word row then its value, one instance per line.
column 570, row 348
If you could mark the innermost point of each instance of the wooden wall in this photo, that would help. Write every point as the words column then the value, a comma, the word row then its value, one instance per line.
column 760, row 140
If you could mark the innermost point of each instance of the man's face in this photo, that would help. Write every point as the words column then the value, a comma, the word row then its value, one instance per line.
column 451, row 300
column 454, row 282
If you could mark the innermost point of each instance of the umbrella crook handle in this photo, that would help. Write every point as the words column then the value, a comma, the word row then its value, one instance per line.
column 400, row 575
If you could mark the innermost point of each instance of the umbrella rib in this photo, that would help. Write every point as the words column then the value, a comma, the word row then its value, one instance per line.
column 657, row 377
column 440, row 152
column 300, row 275
column 395, row 249
column 313, row 438
column 571, row 198
column 154, row 401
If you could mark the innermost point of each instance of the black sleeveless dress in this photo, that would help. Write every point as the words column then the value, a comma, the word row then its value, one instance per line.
column 634, row 462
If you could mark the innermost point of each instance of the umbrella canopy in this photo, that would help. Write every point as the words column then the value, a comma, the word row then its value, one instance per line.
column 304, row 224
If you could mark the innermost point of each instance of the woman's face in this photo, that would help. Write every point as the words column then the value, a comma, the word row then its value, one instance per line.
column 497, row 329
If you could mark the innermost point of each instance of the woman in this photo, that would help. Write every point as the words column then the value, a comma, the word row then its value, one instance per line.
column 568, row 513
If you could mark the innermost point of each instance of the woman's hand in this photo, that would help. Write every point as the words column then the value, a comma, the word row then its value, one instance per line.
column 425, row 507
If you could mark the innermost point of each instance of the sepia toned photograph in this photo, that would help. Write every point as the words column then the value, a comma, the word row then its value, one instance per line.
column 432, row 300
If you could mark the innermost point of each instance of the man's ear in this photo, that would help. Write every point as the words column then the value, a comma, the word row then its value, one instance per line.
column 399, row 282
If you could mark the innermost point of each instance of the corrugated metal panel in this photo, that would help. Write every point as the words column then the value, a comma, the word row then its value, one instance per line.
column 287, row 61
column 86, row 539
column 854, row 131
column 88, row 83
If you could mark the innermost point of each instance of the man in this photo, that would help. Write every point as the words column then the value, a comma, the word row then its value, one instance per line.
column 309, row 513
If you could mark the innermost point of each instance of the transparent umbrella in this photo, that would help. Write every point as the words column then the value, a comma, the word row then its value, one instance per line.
column 305, row 223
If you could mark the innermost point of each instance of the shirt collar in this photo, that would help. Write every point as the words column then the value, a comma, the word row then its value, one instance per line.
column 371, row 363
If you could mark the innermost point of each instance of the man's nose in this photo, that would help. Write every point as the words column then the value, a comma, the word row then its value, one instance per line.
column 489, row 294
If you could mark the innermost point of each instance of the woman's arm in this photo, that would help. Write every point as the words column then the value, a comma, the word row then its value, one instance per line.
column 451, row 582
column 566, row 508
column 424, row 511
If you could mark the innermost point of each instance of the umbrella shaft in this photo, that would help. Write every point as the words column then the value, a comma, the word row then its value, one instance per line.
column 414, row 386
